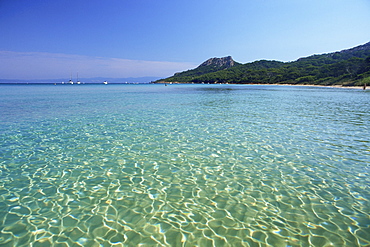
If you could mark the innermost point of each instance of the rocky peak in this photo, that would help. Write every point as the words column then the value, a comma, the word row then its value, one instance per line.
column 219, row 62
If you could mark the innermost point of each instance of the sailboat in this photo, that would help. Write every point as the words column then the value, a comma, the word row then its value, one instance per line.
column 70, row 80
column 78, row 82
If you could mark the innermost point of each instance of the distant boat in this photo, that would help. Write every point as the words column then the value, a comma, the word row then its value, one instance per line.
column 78, row 82
column 70, row 80
column 105, row 82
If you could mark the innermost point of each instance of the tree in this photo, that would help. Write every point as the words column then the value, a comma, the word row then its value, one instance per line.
column 366, row 81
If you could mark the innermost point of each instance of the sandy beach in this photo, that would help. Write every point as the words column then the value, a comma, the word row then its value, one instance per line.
column 300, row 85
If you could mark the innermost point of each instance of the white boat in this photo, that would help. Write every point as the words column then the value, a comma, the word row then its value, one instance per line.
column 78, row 82
column 105, row 82
column 70, row 80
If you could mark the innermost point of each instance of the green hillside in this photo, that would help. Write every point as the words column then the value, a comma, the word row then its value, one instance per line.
column 349, row 67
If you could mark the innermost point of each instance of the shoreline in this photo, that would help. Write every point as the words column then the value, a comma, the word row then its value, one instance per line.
column 300, row 85
column 313, row 85
column 169, row 83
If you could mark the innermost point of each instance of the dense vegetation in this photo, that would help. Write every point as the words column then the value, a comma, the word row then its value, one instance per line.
column 348, row 68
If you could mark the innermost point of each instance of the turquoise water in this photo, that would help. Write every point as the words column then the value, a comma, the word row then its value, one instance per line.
column 184, row 165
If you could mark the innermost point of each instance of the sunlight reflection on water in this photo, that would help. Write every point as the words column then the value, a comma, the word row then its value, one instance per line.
column 184, row 165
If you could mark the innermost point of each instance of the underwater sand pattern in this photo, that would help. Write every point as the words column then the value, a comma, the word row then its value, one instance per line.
column 191, row 166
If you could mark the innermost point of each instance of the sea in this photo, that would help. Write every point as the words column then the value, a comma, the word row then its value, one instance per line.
column 184, row 165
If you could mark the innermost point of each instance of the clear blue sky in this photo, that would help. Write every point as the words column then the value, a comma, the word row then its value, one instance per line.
column 124, row 38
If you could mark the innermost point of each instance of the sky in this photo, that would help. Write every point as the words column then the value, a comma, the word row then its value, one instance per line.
column 43, row 39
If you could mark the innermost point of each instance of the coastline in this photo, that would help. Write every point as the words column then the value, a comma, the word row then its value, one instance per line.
column 313, row 85
column 300, row 85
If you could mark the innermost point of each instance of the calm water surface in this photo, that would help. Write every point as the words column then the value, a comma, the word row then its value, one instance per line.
column 184, row 165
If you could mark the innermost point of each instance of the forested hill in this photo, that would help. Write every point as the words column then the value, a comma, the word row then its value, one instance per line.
column 349, row 67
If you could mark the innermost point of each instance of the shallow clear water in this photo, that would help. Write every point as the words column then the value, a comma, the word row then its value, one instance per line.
column 184, row 165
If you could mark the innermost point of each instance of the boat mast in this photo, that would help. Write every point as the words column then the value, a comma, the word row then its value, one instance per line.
column 70, row 80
